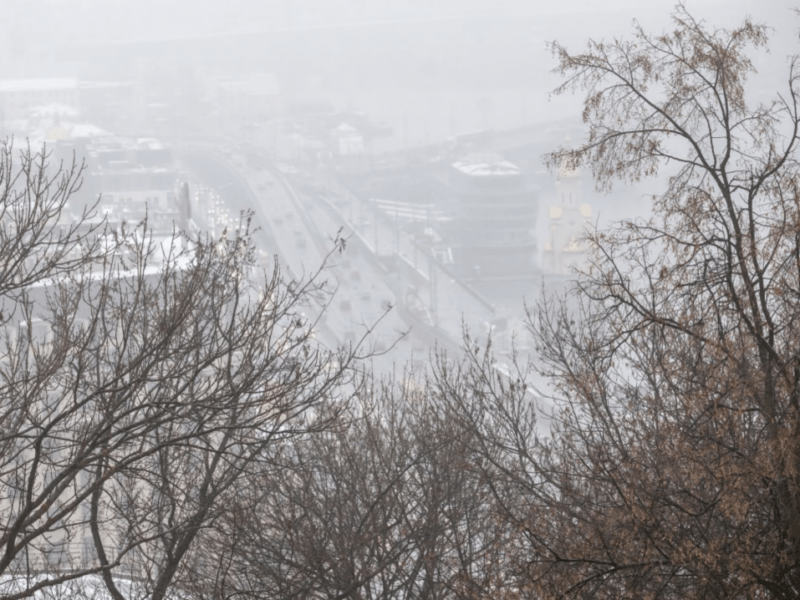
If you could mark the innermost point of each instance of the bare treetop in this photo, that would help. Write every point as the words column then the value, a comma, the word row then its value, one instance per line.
column 676, row 97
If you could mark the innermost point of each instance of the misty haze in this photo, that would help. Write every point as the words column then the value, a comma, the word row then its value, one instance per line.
column 399, row 299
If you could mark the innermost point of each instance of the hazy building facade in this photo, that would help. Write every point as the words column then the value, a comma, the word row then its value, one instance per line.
column 129, row 178
column 18, row 97
column 493, row 232
column 254, row 98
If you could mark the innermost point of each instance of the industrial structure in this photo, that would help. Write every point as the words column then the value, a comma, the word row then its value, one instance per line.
column 494, row 206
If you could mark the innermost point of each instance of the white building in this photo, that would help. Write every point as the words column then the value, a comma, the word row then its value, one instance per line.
column 252, row 98
column 19, row 97
column 348, row 140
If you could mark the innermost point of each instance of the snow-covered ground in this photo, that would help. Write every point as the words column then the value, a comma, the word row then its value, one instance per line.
column 89, row 587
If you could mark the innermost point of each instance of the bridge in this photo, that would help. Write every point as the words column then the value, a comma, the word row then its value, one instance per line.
column 524, row 146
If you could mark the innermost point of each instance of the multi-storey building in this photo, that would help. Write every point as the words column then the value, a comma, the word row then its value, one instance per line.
column 492, row 234
column 253, row 99
column 132, row 178
column 18, row 97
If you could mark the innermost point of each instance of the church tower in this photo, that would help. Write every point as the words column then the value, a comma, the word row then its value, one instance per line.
column 569, row 221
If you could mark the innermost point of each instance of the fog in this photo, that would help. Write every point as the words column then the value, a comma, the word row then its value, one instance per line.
column 354, row 114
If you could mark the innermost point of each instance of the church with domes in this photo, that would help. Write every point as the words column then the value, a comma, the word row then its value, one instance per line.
column 570, row 220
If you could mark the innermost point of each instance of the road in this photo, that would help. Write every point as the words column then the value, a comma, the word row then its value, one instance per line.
column 423, row 284
column 365, row 287
column 301, row 234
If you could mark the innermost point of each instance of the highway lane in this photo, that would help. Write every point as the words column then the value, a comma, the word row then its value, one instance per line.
column 225, row 194
column 364, row 307
column 302, row 236
column 364, row 287
column 425, row 286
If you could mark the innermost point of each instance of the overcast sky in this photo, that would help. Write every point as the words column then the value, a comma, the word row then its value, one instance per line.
column 148, row 18
column 35, row 36
column 425, row 90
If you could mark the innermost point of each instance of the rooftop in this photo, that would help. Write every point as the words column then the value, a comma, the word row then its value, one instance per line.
column 481, row 165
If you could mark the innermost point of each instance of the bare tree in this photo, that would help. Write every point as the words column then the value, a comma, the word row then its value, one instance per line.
column 139, row 381
column 387, row 505
column 39, row 237
column 329, row 517
column 672, row 470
